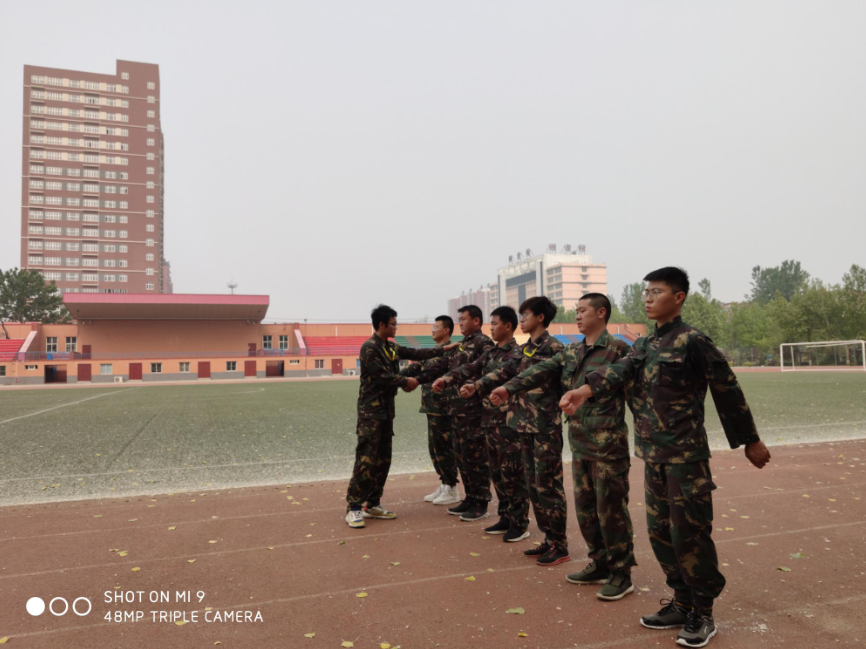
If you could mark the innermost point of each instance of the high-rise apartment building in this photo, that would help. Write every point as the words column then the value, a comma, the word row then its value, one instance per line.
column 92, row 205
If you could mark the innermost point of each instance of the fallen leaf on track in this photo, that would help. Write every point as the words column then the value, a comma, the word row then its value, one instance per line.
column 516, row 611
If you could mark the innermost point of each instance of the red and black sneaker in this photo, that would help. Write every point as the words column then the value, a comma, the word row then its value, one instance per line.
column 538, row 550
column 554, row 556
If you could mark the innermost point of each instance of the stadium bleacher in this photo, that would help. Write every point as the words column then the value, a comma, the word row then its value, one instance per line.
column 351, row 345
column 568, row 339
column 422, row 341
column 9, row 348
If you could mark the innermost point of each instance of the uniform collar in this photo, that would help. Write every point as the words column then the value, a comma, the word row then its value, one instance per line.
column 603, row 337
column 507, row 346
column 670, row 326
column 540, row 340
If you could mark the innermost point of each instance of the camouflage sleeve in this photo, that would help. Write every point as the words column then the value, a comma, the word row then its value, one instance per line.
column 467, row 372
column 734, row 412
column 413, row 354
column 536, row 375
column 610, row 378
column 413, row 370
column 433, row 370
column 380, row 373
column 497, row 377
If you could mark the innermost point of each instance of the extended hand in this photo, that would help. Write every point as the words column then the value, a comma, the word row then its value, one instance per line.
column 467, row 390
column 499, row 396
column 438, row 385
column 451, row 346
column 411, row 384
column 758, row 454
column 574, row 399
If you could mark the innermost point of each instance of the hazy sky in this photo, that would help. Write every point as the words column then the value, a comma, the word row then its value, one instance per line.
column 338, row 154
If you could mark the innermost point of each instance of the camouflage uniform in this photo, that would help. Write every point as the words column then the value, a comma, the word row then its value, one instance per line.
column 503, row 442
column 671, row 370
column 470, row 445
column 380, row 380
column 535, row 415
column 598, row 437
column 440, row 441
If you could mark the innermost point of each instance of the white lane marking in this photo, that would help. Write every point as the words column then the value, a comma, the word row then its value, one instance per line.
column 64, row 405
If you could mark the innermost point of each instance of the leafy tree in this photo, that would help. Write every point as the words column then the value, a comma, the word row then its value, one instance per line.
column 25, row 297
column 788, row 279
column 564, row 316
column 853, row 303
column 616, row 316
column 632, row 305
column 703, row 312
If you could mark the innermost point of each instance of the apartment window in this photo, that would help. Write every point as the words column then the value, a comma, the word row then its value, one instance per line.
column 124, row 190
column 72, row 344
column 320, row 364
column 294, row 362
column 156, row 368
column 231, row 366
column 150, row 227
column 267, row 342
column 92, row 263
column 151, row 156
column 31, row 367
column 149, row 271
column 108, row 278
column 73, row 232
column 72, row 261
column 73, row 246
column 148, row 287
column 52, row 277
column 151, row 113
column 150, row 214
column 105, row 369
column 121, row 278
column 36, row 215
column 123, row 234
column 183, row 367
column 72, row 277
column 151, row 142
column 151, row 128
column 70, row 216
column 89, row 277
column 53, row 231
column 149, row 256
column 51, row 344
column 109, row 263
column 124, row 76
column 109, row 248
column 150, row 170
column 284, row 342
column 150, row 199
column 151, row 99
column 151, row 85
column 122, row 248
column 34, row 245
column 148, row 242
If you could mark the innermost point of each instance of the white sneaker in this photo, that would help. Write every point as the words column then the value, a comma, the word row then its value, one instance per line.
column 355, row 518
column 431, row 497
column 449, row 496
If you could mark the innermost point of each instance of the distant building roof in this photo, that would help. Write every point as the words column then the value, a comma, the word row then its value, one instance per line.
column 175, row 306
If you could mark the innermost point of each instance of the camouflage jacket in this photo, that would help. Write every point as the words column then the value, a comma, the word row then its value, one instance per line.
column 491, row 360
column 380, row 377
column 671, row 369
column 432, row 403
column 597, row 430
column 469, row 350
column 537, row 409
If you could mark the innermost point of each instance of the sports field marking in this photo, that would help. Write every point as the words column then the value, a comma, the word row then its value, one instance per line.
column 39, row 412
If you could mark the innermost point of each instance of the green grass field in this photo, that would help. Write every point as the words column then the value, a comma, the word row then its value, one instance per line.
column 132, row 440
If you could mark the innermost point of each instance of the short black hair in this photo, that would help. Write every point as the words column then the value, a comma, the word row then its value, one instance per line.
column 506, row 314
column 447, row 322
column 598, row 301
column 473, row 311
column 382, row 313
column 676, row 278
column 540, row 305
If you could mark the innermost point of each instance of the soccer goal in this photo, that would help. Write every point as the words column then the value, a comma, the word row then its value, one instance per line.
column 825, row 356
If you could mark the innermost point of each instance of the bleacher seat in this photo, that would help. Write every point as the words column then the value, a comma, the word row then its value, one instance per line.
column 9, row 348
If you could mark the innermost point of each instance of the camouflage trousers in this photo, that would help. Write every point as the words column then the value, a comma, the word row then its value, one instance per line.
column 372, row 462
column 470, row 448
column 441, row 447
column 679, row 514
column 509, row 478
column 601, row 502
column 542, row 461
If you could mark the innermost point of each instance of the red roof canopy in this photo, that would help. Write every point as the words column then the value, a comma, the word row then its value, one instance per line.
column 173, row 306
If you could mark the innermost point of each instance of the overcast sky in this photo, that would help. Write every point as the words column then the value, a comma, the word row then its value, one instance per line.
column 337, row 154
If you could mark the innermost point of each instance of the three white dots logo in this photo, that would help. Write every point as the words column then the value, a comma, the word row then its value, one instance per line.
column 36, row 606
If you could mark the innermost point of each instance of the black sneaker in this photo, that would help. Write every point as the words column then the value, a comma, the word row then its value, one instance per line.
column 554, row 556
column 460, row 509
column 698, row 630
column 475, row 513
column 514, row 535
column 500, row 528
column 538, row 550
column 594, row 573
column 672, row 615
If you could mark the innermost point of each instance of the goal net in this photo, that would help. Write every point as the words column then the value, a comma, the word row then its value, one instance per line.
column 827, row 356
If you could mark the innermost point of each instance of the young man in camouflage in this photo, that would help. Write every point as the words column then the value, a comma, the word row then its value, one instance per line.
column 671, row 369
column 503, row 443
column 536, row 417
column 380, row 380
column 598, row 437
column 440, row 442
column 470, row 444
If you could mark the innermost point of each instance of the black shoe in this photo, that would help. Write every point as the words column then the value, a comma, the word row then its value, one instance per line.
column 499, row 528
column 698, row 630
column 554, row 556
column 462, row 508
column 538, row 550
column 672, row 615
column 514, row 535
column 475, row 513
column 594, row 573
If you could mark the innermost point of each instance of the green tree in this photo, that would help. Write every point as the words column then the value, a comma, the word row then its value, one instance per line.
column 853, row 303
column 703, row 312
column 25, row 297
column 564, row 316
column 788, row 279
column 616, row 316
column 632, row 305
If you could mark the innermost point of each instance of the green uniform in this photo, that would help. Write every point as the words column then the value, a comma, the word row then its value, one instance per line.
column 380, row 380
column 535, row 415
column 503, row 442
column 671, row 370
column 470, row 444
